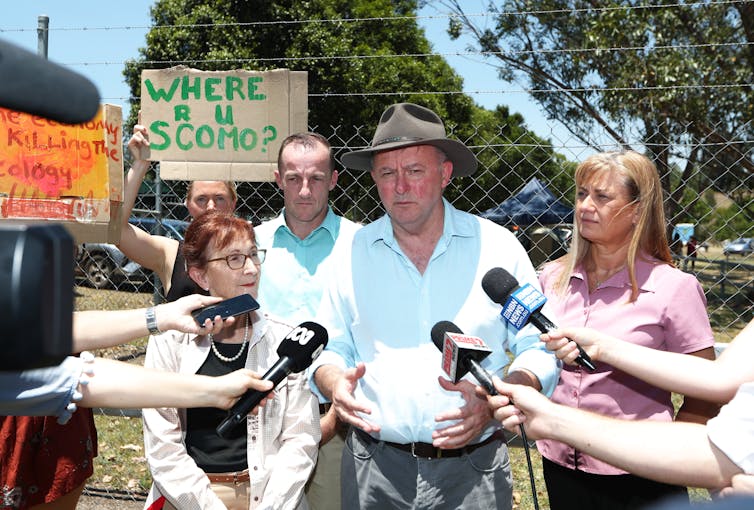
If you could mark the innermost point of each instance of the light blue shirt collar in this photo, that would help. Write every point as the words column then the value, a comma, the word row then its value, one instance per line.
column 331, row 224
column 453, row 225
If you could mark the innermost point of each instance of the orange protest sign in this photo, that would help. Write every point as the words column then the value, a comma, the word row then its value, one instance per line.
column 67, row 173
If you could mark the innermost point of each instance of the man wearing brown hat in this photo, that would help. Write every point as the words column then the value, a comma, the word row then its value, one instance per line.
column 417, row 440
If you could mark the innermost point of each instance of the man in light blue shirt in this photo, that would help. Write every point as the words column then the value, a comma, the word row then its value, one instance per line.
column 297, row 270
column 418, row 440
column 302, row 243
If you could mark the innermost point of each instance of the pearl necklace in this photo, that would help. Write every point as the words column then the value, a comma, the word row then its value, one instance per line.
column 243, row 345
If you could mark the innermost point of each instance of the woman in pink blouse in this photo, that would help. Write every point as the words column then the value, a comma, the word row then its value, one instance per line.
column 619, row 278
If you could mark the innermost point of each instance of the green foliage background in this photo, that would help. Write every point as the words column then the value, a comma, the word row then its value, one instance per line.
column 347, row 94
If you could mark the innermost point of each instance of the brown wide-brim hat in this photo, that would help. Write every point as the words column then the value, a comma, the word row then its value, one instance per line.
column 408, row 124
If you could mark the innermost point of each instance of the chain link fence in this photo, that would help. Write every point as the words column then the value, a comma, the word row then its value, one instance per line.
column 707, row 186
column 715, row 200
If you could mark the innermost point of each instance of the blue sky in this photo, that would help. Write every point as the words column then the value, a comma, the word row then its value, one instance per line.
column 116, row 30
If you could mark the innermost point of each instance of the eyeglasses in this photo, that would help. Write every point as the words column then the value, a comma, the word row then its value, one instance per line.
column 238, row 260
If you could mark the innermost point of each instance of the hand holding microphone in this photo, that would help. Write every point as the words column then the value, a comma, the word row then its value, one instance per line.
column 297, row 351
column 522, row 305
column 566, row 342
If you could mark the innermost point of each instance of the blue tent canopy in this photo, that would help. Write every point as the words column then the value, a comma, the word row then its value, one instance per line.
column 533, row 204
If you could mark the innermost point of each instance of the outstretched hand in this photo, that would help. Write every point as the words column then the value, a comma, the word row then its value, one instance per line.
column 344, row 402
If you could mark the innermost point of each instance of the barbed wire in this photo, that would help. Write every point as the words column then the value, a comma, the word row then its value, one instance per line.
column 545, row 91
column 448, row 16
column 496, row 91
column 466, row 53
column 481, row 56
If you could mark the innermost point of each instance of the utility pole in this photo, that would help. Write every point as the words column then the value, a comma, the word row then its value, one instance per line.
column 43, row 30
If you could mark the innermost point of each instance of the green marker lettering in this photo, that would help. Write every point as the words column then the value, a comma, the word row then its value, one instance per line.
column 228, row 119
column 182, row 112
column 224, row 134
column 209, row 89
column 205, row 132
column 156, row 128
column 159, row 94
column 233, row 86
column 248, row 139
column 252, row 84
column 187, row 88
column 178, row 141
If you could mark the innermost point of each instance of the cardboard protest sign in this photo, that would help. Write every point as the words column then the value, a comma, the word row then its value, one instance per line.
column 221, row 125
column 71, row 174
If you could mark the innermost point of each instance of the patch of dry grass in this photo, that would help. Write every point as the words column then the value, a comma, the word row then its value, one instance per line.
column 93, row 299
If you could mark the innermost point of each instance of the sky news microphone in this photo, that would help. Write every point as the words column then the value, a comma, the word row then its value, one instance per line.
column 461, row 354
column 522, row 305
column 297, row 351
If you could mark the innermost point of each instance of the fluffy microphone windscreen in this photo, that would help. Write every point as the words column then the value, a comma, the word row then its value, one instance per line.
column 439, row 330
column 498, row 284
column 35, row 85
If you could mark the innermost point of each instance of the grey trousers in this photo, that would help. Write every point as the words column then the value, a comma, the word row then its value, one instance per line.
column 377, row 476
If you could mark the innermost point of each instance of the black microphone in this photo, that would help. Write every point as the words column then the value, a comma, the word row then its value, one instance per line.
column 461, row 354
column 297, row 351
column 34, row 85
column 522, row 305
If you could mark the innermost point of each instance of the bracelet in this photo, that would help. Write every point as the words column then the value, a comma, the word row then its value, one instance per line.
column 151, row 321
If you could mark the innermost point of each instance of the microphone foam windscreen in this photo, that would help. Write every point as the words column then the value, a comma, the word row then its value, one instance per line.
column 303, row 344
column 498, row 284
column 439, row 330
column 34, row 85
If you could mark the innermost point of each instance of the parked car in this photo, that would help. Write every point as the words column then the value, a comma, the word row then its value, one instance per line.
column 103, row 265
column 740, row 246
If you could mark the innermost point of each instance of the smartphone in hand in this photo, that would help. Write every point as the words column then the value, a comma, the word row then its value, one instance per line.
column 227, row 308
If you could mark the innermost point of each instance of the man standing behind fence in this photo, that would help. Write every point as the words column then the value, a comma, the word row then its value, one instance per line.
column 300, row 244
column 418, row 440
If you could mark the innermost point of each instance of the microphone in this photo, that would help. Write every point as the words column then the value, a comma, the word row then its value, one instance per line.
column 297, row 351
column 34, row 85
column 522, row 305
column 461, row 354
